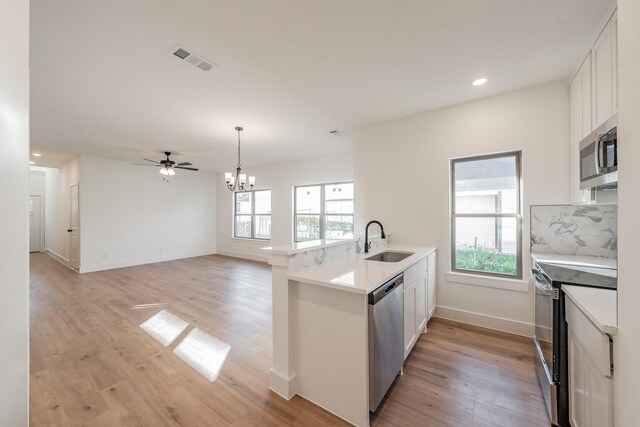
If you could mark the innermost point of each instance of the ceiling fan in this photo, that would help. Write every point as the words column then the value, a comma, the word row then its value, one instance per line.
column 167, row 165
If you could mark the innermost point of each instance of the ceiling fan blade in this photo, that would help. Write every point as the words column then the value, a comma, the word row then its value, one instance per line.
column 189, row 169
column 183, row 164
column 144, row 164
column 152, row 161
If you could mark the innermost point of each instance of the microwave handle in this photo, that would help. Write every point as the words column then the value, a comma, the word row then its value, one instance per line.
column 599, row 155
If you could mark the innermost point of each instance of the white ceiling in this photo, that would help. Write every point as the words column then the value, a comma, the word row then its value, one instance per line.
column 103, row 82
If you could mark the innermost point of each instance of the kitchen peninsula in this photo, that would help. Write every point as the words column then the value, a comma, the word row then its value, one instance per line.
column 320, row 317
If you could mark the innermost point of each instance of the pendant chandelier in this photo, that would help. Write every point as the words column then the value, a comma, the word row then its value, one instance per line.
column 239, row 181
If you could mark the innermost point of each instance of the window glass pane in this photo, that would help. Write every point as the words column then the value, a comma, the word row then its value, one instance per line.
column 308, row 200
column 243, row 203
column 262, row 226
column 243, row 226
column 338, row 206
column 307, row 227
column 487, row 245
column 486, row 185
column 262, row 201
column 338, row 191
column 339, row 227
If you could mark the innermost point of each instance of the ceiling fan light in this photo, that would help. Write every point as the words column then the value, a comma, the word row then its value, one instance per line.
column 171, row 172
column 164, row 171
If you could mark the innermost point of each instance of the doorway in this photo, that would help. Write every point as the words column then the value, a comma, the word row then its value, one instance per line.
column 74, row 227
column 36, row 223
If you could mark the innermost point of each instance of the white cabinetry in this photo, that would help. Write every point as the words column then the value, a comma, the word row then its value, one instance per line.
column 580, row 102
column 593, row 98
column 590, row 373
column 431, row 284
column 415, row 303
column 605, row 79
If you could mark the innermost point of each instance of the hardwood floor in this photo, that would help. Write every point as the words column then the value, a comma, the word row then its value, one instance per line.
column 91, row 364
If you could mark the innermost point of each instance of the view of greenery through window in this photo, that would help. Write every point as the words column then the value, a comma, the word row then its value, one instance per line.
column 324, row 211
column 252, row 219
column 486, row 214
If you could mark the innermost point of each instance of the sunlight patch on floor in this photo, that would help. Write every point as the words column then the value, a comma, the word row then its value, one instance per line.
column 204, row 353
column 164, row 327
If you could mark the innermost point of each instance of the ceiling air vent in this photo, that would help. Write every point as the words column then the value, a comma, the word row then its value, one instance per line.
column 337, row 132
column 196, row 60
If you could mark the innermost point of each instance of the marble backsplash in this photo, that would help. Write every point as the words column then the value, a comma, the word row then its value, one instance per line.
column 315, row 257
column 584, row 230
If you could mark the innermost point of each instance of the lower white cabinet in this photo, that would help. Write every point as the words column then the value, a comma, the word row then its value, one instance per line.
column 410, row 318
column 590, row 374
column 416, row 305
column 431, row 285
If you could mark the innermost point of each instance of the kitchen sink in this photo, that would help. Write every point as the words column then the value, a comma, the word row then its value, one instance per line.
column 389, row 256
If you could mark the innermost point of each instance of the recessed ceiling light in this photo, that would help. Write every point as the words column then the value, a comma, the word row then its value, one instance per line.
column 480, row 81
column 31, row 162
column 36, row 154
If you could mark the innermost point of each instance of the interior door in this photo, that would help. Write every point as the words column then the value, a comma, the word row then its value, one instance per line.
column 74, row 229
column 35, row 223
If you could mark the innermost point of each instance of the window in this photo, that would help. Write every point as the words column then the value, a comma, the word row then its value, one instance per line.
column 486, row 215
column 252, row 216
column 323, row 211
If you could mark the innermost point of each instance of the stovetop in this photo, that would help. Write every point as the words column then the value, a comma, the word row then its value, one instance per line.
column 565, row 275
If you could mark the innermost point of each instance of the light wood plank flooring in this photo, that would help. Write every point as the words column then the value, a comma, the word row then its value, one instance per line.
column 91, row 365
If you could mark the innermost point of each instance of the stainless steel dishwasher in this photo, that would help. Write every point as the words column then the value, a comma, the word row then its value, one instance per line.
column 386, row 338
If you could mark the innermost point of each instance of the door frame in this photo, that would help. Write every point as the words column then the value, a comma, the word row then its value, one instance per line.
column 41, row 246
column 71, row 262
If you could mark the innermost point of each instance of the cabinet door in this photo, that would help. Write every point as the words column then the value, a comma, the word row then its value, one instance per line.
column 577, row 387
column 421, row 304
column 580, row 125
column 604, row 79
column 431, row 285
column 410, row 309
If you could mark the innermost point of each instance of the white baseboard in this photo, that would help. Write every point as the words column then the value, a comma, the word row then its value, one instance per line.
column 62, row 260
column 281, row 384
column 142, row 261
column 242, row 255
column 491, row 322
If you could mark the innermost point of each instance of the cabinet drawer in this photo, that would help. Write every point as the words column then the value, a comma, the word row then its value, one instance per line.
column 595, row 342
column 415, row 272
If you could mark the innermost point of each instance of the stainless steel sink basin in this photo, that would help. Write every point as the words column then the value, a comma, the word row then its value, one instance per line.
column 389, row 256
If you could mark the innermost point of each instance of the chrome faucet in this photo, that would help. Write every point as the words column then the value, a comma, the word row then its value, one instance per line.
column 367, row 244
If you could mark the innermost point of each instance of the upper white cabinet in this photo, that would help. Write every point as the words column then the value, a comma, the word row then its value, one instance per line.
column 593, row 97
column 605, row 73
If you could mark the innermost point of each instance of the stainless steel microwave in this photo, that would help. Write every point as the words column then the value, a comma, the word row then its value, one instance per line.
column 599, row 157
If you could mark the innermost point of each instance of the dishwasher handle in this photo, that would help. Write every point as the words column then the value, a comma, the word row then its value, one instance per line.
column 384, row 290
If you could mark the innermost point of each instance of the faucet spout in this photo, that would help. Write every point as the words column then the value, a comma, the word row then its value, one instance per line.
column 367, row 244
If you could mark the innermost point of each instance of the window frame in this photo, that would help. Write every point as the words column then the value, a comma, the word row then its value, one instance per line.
column 252, row 215
column 517, row 215
column 323, row 214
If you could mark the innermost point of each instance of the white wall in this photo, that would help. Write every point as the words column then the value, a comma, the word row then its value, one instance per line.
column 627, row 342
column 401, row 175
column 280, row 178
column 14, row 226
column 129, row 216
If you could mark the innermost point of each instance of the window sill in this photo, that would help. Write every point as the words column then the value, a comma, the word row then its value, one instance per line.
column 516, row 285
column 250, row 240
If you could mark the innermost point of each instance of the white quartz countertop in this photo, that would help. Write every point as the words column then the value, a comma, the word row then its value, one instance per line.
column 584, row 261
column 294, row 248
column 599, row 305
column 355, row 274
